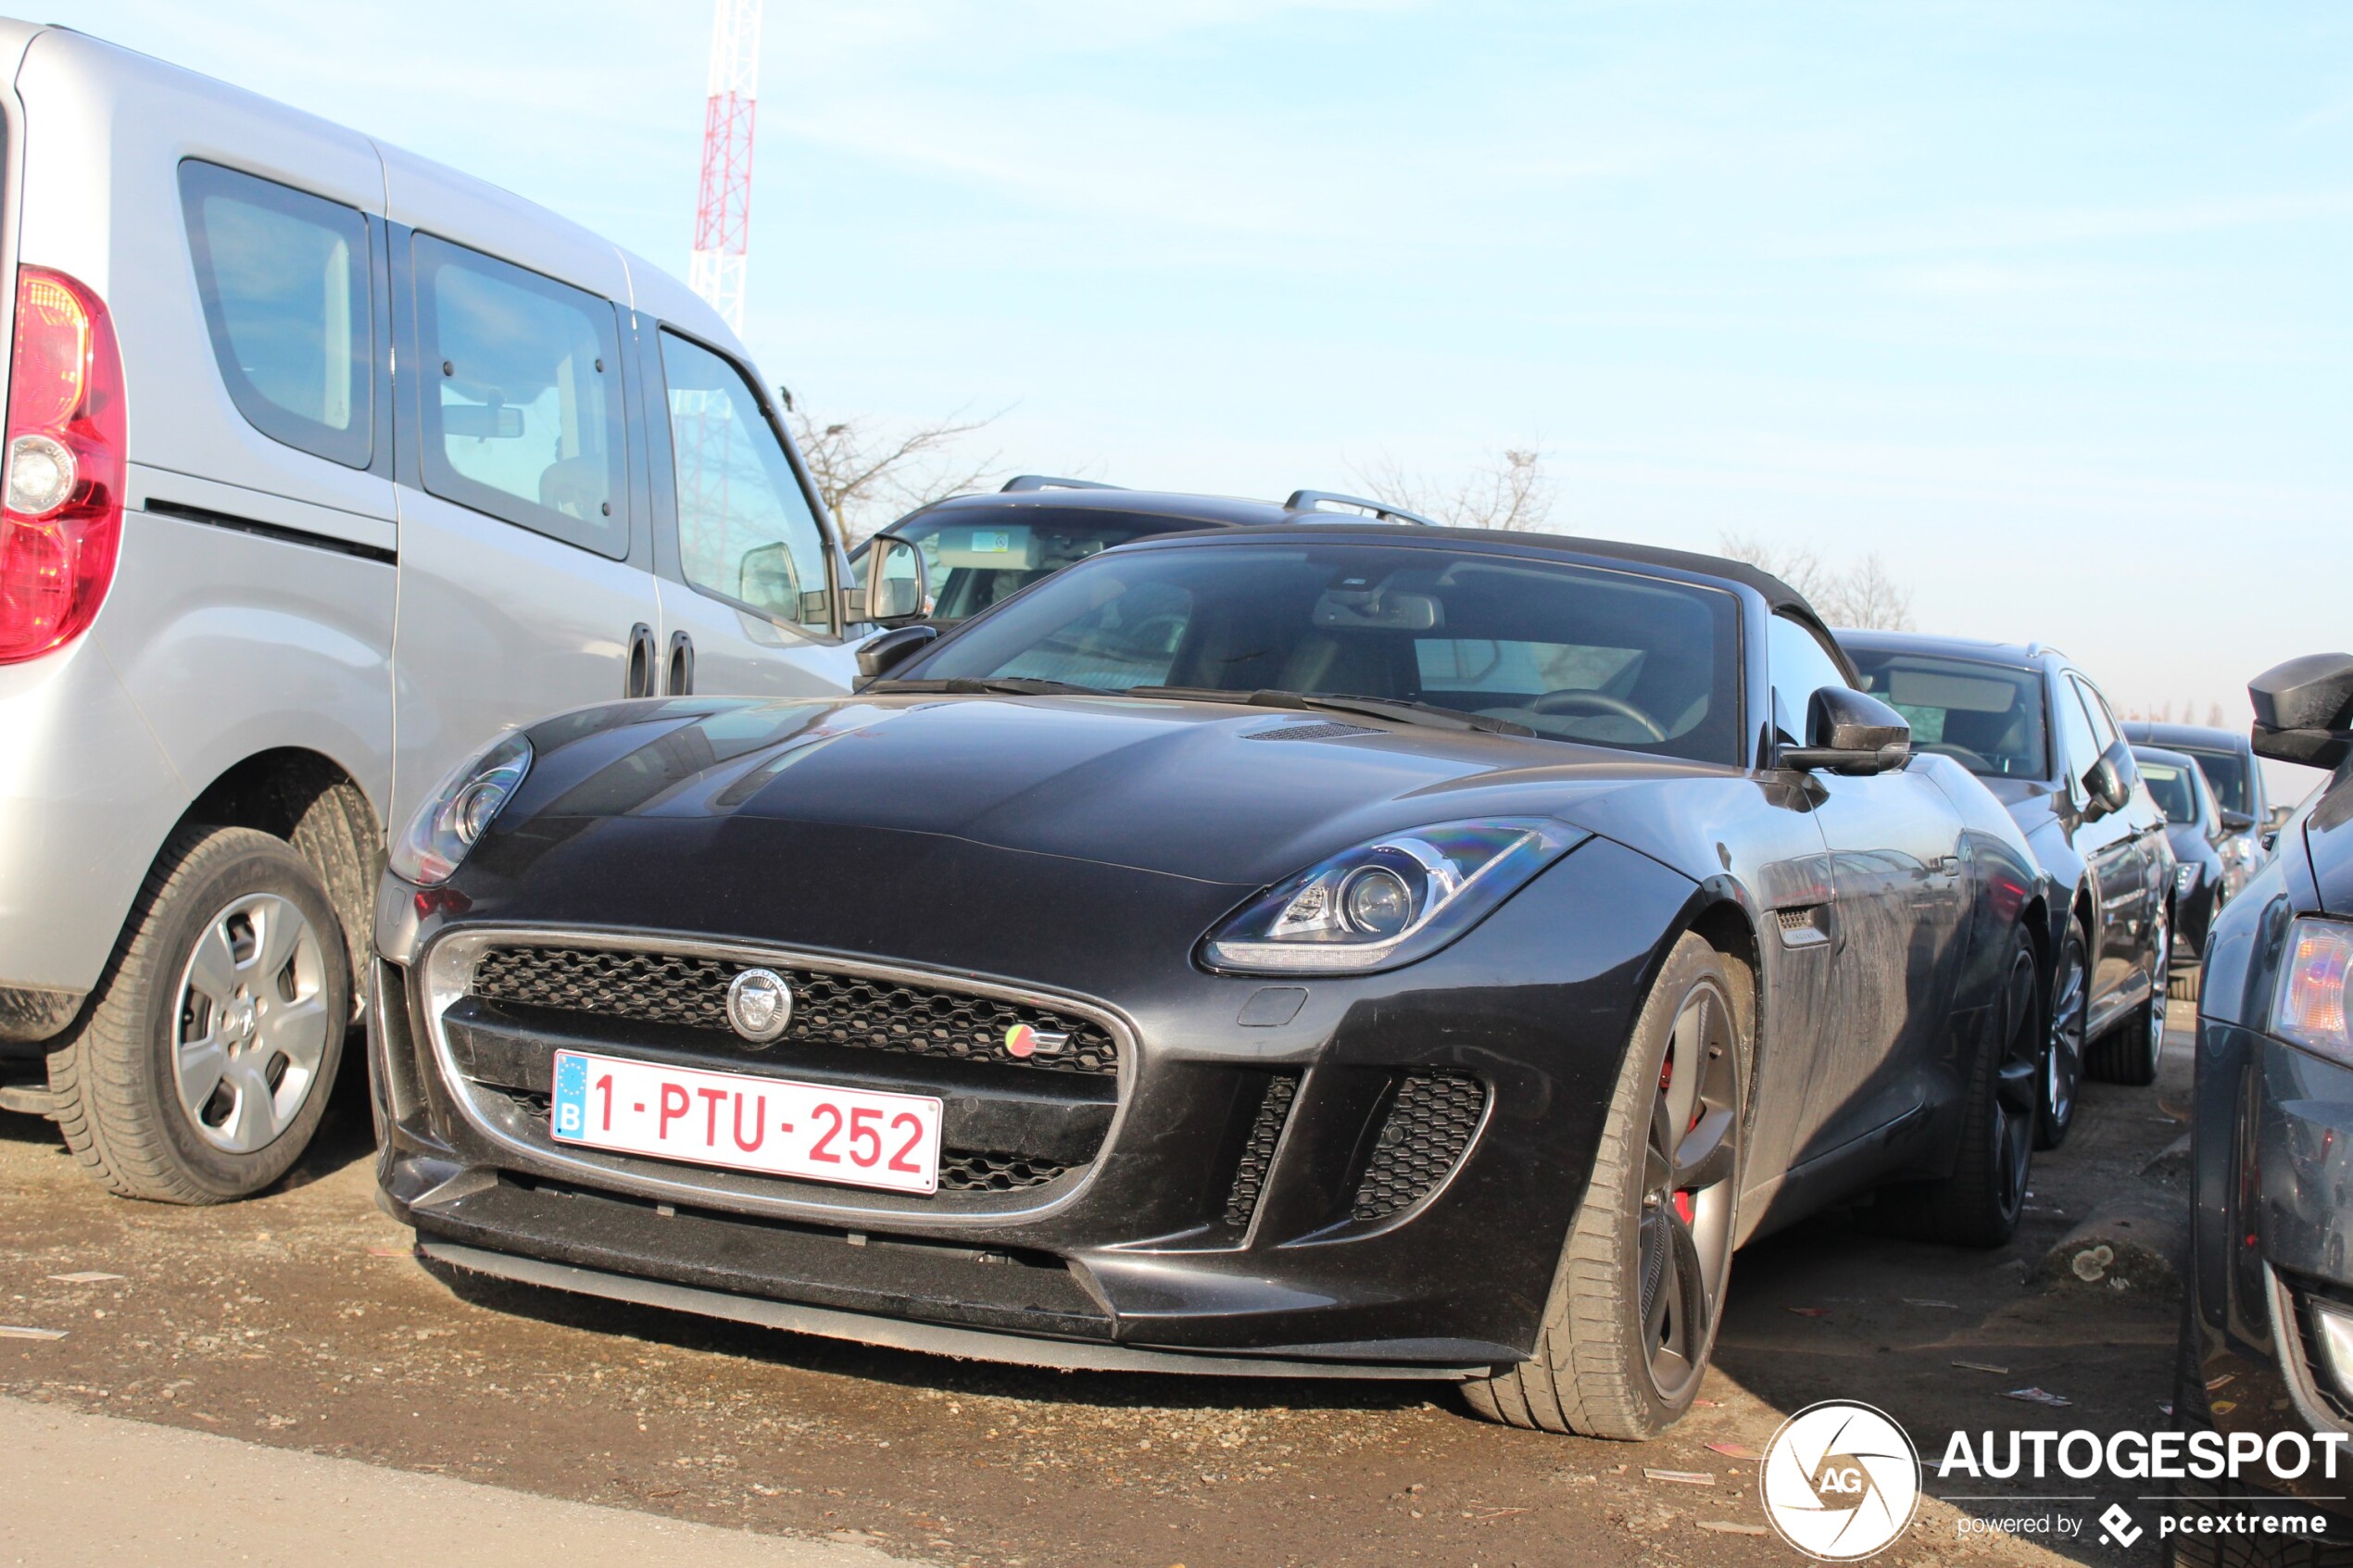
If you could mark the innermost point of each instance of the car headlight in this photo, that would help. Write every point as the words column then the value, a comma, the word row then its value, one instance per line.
column 2310, row 1007
column 1398, row 898
column 458, row 813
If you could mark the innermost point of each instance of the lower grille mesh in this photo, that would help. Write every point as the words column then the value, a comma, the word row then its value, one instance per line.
column 964, row 1172
column 1430, row 1125
column 828, row 1009
column 1249, row 1177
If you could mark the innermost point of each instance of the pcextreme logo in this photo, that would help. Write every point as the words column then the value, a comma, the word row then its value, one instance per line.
column 1840, row 1481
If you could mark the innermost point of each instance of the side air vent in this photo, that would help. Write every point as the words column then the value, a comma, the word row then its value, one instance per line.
column 1802, row 928
column 1258, row 1155
column 1428, row 1127
column 1309, row 731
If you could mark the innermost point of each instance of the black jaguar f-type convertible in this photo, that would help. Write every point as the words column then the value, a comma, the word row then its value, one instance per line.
column 1351, row 949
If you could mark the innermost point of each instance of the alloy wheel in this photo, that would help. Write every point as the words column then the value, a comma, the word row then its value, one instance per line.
column 251, row 1025
column 2014, row 1096
column 1690, row 1159
column 2160, row 979
column 2063, row 1055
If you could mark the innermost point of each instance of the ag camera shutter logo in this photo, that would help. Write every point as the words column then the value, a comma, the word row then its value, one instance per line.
column 1840, row 1481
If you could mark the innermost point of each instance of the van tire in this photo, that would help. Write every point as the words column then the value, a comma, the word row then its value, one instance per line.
column 113, row 1078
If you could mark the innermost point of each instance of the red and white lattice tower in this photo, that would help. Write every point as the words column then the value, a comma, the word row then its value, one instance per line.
column 722, row 210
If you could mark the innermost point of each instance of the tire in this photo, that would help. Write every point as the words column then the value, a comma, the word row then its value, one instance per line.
column 1979, row 1204
column 2128, row 1053
column 2061, row 1065
column 231, row 935
column 1614, row 1359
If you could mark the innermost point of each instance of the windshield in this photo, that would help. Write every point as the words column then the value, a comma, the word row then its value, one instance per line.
column 1572, row 653
column 2226, row 775
column 2176, row 795
column 973, row 559
column 1986, row 717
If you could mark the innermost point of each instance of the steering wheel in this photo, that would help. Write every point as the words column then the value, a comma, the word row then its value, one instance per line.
column 1976, row 762
column 1571, row 699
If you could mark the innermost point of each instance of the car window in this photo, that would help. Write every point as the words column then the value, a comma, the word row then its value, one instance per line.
column 2079, row 747
column 974, row 559
column 1800, row 667
column 745, row 529
column 2227, row 772
column 1986, row 717
column 1605, row 657
column 2176, row 797
column 2103, row 730
column 289, row 305
column 522, row 397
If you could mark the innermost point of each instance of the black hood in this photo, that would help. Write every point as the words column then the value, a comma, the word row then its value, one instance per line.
column 1209, row 792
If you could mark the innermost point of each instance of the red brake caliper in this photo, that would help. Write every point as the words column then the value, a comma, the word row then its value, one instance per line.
column 1666, row 1077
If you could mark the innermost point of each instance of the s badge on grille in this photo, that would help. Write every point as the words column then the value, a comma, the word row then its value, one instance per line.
column 1024, row 1041
column 758, row 1005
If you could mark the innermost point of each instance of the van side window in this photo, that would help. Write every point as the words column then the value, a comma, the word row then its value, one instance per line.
column 287, row 299
column 520, row 394
column 746, row 530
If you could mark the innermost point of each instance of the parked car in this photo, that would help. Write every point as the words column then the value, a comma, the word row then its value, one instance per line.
column 2249, row 816
column 1275, row 950
column 977, row 550
column 324, row 465
column 2194, row 831
column 2267, row 1338
column 2030, row 725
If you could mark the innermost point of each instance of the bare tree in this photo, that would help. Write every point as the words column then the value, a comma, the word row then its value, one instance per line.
column 1510, row 491
column 871, row 473
column 1863, row 596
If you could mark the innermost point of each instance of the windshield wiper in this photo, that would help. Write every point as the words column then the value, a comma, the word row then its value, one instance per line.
column 1003, row 687
column 1398, row 709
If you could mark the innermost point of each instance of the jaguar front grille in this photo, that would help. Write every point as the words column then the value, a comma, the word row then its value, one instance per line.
column 829, row 1008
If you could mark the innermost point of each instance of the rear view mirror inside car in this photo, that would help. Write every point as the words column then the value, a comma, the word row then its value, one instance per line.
column 483, row 421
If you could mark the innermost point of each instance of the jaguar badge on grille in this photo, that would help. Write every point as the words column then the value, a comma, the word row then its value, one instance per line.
column 758, row 1005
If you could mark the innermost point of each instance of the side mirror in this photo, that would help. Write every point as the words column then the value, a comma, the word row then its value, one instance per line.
column 2304, row 710
column 1850, row 732
column 897, row 586
column 2108, row 782
column 879, row 655
column 2236, row 821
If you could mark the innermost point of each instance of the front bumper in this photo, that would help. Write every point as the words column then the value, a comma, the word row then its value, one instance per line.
column 1313, row 1189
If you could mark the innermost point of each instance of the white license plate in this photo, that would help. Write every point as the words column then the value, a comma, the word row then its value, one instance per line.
column 861, row 1137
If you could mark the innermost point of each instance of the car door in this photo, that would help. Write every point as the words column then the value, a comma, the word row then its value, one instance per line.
column 525, row 586
column 1896, row 920
column 2121, row 864
column 744, row 564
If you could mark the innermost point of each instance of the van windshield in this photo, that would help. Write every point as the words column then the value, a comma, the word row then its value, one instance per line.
column 1570, row 653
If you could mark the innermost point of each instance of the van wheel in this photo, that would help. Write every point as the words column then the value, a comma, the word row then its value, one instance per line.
column 1979, row 1204
column 206, row 1056
column 1631, row 1318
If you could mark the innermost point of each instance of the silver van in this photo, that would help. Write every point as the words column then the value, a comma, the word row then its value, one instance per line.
column 323, row 465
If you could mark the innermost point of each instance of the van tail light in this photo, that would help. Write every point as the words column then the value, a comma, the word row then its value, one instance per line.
column 61, row 490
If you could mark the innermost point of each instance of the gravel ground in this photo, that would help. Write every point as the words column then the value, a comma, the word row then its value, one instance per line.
column 301, row 1320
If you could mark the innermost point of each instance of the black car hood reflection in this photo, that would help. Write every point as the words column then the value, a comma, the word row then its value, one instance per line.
column 1211, row 792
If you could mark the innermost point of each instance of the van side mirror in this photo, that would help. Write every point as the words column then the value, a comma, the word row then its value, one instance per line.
column 1850, row 732
column 2304, row 710
column 897, row 586
column 2109, row 782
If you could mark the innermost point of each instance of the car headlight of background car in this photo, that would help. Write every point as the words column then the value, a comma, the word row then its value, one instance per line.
column 1399, row 897
column 2310, row 1007
column 458, row 813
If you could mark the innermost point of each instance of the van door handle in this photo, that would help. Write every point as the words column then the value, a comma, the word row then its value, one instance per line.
column 639, row 680
column 682, row 665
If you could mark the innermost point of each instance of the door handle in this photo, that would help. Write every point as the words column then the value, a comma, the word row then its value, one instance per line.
column 681, row 664
column 638, row 680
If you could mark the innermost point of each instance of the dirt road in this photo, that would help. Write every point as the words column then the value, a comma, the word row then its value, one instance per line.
column 301, row 1320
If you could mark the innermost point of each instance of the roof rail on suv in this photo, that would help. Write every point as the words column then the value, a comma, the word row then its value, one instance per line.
column 1046, row 482
column 1315, row 500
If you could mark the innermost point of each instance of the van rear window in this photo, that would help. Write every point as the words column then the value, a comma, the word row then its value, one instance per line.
column 286, row 284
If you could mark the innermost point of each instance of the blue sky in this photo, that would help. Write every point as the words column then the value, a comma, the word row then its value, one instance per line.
column 2045, row 303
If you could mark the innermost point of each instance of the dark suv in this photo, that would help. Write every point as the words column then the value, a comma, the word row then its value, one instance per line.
column 2039, row 734
column 2227, row 760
